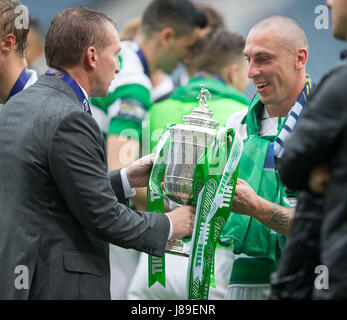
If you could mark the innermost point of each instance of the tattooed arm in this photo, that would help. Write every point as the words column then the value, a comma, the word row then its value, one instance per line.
column 279, row 218
column 274, row 216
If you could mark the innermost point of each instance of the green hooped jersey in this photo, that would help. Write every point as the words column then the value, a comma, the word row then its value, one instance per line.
column 122, row 111
column 225, row 101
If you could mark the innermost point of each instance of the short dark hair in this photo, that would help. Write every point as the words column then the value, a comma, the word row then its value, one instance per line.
column 214, row 18
column 71, row 32
column 8, row 18
column 217, row 50
column 181, row 15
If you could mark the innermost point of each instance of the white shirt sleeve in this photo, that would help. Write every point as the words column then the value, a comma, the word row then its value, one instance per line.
column 171, row 230
column 128, row 191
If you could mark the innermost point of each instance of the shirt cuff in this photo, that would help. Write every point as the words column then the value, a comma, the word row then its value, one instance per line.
column 171, row 230
column 128, row 191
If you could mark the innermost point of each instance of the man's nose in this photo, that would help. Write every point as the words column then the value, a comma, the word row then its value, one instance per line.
column 253, row 70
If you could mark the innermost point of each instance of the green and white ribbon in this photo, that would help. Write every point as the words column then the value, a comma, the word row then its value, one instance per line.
column 155, row 202
column 213, row 208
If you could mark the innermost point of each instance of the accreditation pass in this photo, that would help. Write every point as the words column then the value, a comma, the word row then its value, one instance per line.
column 174, row 310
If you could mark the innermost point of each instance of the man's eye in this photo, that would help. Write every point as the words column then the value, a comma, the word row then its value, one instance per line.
column 263, row 59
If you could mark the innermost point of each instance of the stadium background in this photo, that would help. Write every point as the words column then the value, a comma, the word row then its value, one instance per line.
column 239, row 16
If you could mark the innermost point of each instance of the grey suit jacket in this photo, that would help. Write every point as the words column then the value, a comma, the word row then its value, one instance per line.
column 58, row 206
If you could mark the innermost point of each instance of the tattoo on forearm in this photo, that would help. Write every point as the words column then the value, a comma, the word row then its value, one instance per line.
column 282, row 216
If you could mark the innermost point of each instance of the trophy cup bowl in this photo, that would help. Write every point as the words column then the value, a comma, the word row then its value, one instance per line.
column 189, row 142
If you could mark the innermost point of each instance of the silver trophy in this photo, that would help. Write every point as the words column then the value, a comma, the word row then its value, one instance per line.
column 189, row 141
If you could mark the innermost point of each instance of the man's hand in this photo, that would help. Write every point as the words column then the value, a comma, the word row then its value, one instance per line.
column 182, row 220
column 138, row 172
column 245, row 199
column 319, row 179
column 274, row 216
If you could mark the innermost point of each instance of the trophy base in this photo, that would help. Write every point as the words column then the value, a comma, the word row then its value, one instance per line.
column 178, row 247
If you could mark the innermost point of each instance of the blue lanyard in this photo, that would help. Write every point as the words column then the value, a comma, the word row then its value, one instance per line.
column 143, row 60
column 20, row 83
column 59, row 74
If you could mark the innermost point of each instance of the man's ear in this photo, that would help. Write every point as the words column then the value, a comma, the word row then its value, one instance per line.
column 166, row 35
column 91, row 57
column 7, row 43
column 301, row 58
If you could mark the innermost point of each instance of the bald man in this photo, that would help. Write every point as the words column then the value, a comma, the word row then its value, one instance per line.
column 314, row 263
column 276, row 50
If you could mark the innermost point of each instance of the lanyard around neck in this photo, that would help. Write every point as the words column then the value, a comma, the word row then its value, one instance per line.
column 20, row 83
column 73, row 84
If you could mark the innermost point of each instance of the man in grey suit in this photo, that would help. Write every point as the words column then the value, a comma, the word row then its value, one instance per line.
column 58, row 206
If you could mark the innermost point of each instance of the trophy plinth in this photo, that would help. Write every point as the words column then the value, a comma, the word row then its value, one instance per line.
column 189, row 141
column 178, row 248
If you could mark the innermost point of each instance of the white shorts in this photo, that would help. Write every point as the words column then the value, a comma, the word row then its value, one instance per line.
column 176, row 278
column 248, row 292
column 123, row 264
